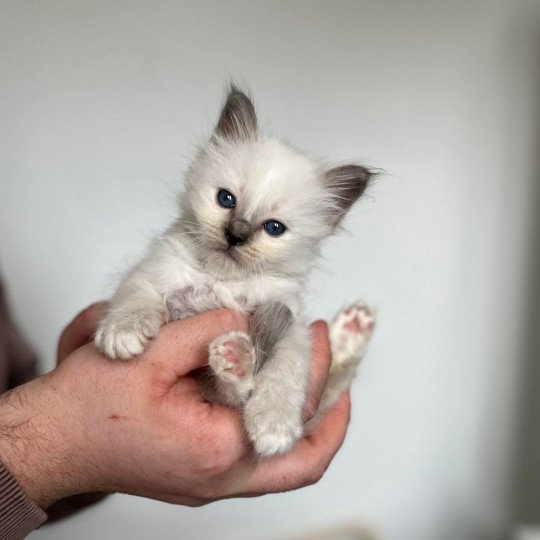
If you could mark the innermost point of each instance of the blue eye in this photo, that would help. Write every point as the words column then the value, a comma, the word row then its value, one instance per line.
column 226, row 199
column 274, row 228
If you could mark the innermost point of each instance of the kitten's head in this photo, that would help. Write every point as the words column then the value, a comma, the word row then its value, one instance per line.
column 254, row 206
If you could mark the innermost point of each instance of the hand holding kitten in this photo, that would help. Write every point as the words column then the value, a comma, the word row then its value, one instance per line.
column 144, row 427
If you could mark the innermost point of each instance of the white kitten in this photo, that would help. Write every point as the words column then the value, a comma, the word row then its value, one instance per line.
column 253, row 214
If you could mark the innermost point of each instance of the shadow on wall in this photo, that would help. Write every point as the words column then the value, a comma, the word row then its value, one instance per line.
column 342, row 532
column 527, row 478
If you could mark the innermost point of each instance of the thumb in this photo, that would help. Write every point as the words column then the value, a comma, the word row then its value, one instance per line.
column 184, row 344
column 80, row 330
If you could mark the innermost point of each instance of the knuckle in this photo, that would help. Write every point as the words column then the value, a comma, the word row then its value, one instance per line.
column 86, row 316
column 225, row 317
column 223, row 463
column 85, row 319
column 216, row 460
column 312, row 478
column 314, row 475
column 228, row 319
column 66, row 332
column 211, row 492
column 94, row 313
column 216, row 466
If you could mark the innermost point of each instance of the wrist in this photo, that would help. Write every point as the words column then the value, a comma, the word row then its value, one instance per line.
column 36, row 442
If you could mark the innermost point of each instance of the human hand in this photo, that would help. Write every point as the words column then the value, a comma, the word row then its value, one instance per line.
column 80, row 330
column 144, row 428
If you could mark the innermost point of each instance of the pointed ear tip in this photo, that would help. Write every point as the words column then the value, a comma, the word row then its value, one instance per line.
column 374, row 173
column 364, row 174
column 368, row 173
column 235, row 91
column 355, row 170
column 238, row 119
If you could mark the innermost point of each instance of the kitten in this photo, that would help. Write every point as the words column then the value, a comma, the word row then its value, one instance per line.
column 252, row 216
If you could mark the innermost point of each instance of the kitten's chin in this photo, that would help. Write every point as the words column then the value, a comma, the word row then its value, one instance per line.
column 224, row 264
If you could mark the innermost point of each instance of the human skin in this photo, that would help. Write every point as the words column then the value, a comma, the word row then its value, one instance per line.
column 144, row 428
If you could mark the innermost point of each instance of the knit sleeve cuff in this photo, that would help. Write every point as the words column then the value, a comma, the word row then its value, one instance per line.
column 19, row 516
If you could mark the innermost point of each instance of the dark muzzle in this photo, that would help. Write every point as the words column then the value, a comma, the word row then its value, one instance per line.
column 238, row 232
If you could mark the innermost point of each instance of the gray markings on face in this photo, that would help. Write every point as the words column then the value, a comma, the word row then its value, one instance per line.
column 269, row 324
column 238, row 232
column 346, row 184
column 238, row 120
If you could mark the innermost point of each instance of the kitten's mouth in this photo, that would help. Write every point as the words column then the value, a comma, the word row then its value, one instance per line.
column 230, row 253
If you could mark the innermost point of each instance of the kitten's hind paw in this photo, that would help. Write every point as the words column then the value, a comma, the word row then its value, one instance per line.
column 349, row 337
column 273, row 421
column 232, row 359
column 350, row 333
column 270, row 437
column 125, row 337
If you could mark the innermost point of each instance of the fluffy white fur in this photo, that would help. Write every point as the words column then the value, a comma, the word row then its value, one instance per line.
column 193, row 268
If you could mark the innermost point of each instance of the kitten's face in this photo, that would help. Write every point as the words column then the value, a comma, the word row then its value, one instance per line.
column 253, row 206
column 258, row 208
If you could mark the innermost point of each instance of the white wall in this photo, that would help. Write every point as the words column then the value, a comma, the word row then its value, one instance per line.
column 100, row 105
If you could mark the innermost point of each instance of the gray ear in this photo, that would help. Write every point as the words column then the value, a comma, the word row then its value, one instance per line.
column 345, row 184
column 238, row 119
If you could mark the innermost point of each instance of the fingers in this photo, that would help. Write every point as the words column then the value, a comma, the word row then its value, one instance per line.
column 184, row 344
column 80, row 330
column 321, row 358
column 308, row 460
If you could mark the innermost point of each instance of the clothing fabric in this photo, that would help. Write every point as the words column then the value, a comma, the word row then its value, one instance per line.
column 19, row 516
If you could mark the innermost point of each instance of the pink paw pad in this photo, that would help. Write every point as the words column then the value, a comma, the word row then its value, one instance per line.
column 358, row 325
column 231, row 356
column 351, row 331
column 353, row 326
column 232, row 351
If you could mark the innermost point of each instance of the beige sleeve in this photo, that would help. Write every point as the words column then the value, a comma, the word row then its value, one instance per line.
column 19, row 516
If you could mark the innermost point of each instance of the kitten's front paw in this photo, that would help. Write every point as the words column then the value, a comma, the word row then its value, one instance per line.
column 350, row 333
column 125, row 337
column 232, row 359
column 272, row 428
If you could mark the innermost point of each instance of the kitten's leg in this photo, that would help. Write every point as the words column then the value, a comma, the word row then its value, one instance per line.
column 134, row 317
column 235, row 357
column 349, row 337
column 269, row 376
column 273, row 413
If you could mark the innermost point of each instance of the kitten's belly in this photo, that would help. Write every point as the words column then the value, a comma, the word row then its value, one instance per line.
column 195, row 299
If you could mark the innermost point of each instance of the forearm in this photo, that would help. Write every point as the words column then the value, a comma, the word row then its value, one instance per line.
column 34, row 445
column 21, row 501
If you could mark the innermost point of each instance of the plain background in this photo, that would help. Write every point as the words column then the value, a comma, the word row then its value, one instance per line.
column 101, row 106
